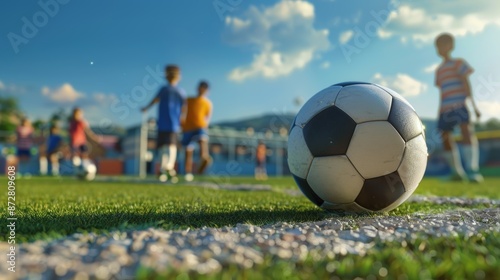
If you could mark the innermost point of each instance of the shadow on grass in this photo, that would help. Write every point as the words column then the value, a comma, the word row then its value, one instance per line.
column 49, row 227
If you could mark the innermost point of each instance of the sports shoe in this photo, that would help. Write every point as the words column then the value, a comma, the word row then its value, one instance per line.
column 163, row 178
column 167, row 175
column 476, row 177
column 455, row 177
column 189, row 177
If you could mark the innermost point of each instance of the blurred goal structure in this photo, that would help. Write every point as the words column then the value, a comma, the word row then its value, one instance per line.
column 233, row 151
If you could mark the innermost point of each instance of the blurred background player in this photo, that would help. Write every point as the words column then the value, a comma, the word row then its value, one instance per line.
column 452, row 79
column 195, row 125
column 53, row 145
column 24, row 142
column 78, row 131
column 171, row 99
column 260, row 163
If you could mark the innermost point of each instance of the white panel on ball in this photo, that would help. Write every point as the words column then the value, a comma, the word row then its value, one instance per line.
column 412, row 168
column 334, row 179
column 300, row 160
column 375, row 105
column 376, row 149
column 396, row 95
column 316, row 104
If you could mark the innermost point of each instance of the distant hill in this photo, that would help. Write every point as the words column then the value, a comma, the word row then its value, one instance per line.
column 109, row 130
column 262, row 123
column 276, row 121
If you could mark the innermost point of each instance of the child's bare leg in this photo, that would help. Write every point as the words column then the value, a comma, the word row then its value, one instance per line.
column 445, row 136
column 452, row 155
column 188, row 164
column 54, row 160
column 204, row 156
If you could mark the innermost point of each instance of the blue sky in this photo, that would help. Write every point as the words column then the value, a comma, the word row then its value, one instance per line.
column 107, row 56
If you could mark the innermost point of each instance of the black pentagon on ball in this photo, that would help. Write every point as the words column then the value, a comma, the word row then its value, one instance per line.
column 308, row 191
column 292, row 125
column 344, row 84
column 380, row 192
column 329, row 132
column 404, row 119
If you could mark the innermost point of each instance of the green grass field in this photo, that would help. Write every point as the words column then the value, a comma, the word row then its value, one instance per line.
column 50, row 208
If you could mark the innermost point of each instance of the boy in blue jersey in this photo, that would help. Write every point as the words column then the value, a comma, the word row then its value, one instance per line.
column 53, row 151
column 171, row 101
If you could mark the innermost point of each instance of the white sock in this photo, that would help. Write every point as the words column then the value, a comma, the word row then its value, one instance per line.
column 55, row 168
column 453, row 159
column 164, row 156
column 471, row 157
column 172, row 150
column 44, row 166
column 86, row 162
column 77, row 163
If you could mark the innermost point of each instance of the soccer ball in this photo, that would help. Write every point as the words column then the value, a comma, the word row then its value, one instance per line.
column 87, row 171
column 357, row 147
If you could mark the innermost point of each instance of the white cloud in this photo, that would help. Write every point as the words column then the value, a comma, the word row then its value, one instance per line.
column 422, row 20
column 12, row 89
column 488, row 109
column 272, row 64
column 64, row 94
column 325, row 65
column 401, row 83
column 283, row 35
column 345, row 36
column 103, row 98
column 431, row 68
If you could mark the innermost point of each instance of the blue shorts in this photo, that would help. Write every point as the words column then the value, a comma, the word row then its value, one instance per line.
column 449, row 120
column 23, row 153
column 81, row 149
column 189, row 138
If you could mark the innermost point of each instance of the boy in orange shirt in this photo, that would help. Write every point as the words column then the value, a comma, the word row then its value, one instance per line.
column 195, row 125
column 452, row 79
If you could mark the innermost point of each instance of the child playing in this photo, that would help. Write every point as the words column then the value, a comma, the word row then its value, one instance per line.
column 171, row 99
column 260, row 164
column 24, row 136
column 452, row 79
column 199, row 110
column 54, row 142
column 78, row 131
